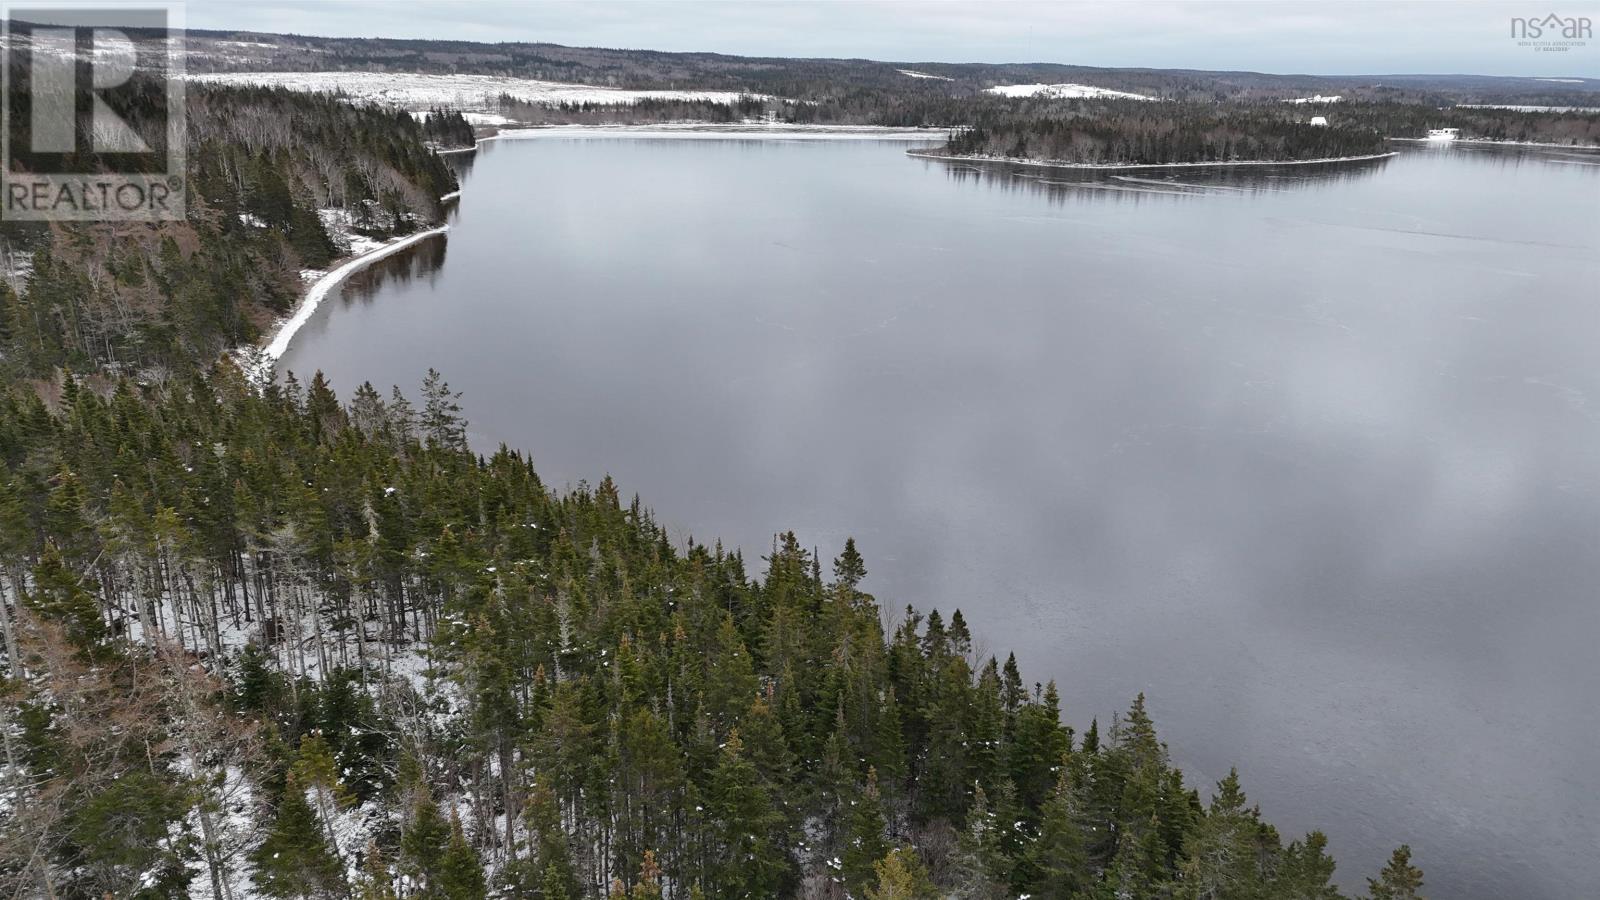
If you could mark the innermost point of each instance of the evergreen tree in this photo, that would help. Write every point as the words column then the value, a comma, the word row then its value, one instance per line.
column 442, row 422
column 375, row 881
column 58, row 595
column 460, row 873
column 124, row 834
column 1306, row 872
column 423, row 845
column 1058, row 865
column 849, row 569
column 557, row 876
column 901, row 876
column 1399, row 880
column 748, row 833
column 295, row 860
column 866, row 841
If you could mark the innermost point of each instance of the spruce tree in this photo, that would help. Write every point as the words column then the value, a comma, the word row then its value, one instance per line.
column 1399, row 880
column 750, row 840
column 442, row 422
column 375, row 881
column 423, row 842
column 1058, row 865
column 849, row 569
column 865, row 841
column 295, row 861
column 558, row 877
column 459, row 875
column 58, row 596
column 1306, row 872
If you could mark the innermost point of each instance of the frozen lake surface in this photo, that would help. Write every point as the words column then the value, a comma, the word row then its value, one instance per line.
column 1311, row 456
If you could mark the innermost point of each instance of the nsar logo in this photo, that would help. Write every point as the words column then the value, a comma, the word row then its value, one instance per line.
column 1553, row 32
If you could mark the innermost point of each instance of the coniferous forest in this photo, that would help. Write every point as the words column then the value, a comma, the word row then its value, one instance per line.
column 260, row 642
column 264, row 644
column 1140, row 132
column 1137, row 132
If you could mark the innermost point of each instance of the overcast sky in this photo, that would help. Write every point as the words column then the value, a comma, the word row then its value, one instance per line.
column 1310, row 36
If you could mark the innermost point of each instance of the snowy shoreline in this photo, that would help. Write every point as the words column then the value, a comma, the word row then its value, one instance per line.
column 285, row 330
column 1058, row 164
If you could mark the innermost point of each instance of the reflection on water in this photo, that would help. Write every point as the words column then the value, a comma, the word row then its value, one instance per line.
column 1065, row 185
column 461, row 163
column 421, row 262
column 1309, row 455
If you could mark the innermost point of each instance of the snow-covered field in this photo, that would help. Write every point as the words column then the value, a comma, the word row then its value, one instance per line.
column 1318, row 98
column 1064, row 91
column 915, row 74
column 418, row 91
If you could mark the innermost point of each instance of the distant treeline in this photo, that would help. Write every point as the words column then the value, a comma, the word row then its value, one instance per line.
column 162, row 296
column 644, row 112
column 1140, row 132
column 1576, row 128
column 834, row 81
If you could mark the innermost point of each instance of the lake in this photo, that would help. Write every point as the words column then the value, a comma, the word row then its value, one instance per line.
column 1310, row 455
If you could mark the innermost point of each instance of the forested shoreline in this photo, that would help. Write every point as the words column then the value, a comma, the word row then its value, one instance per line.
column 1111, row 132
column 278, row 183
column 260, row 639
column 259, row 643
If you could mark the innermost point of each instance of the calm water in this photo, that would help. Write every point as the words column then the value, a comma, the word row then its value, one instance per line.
column 1312, row 457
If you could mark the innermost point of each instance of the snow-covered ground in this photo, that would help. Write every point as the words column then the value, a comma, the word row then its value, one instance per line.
column 915, row 74
column 341, row 227
column 1318, row 98
column 1064, row 91
column 419, row 91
